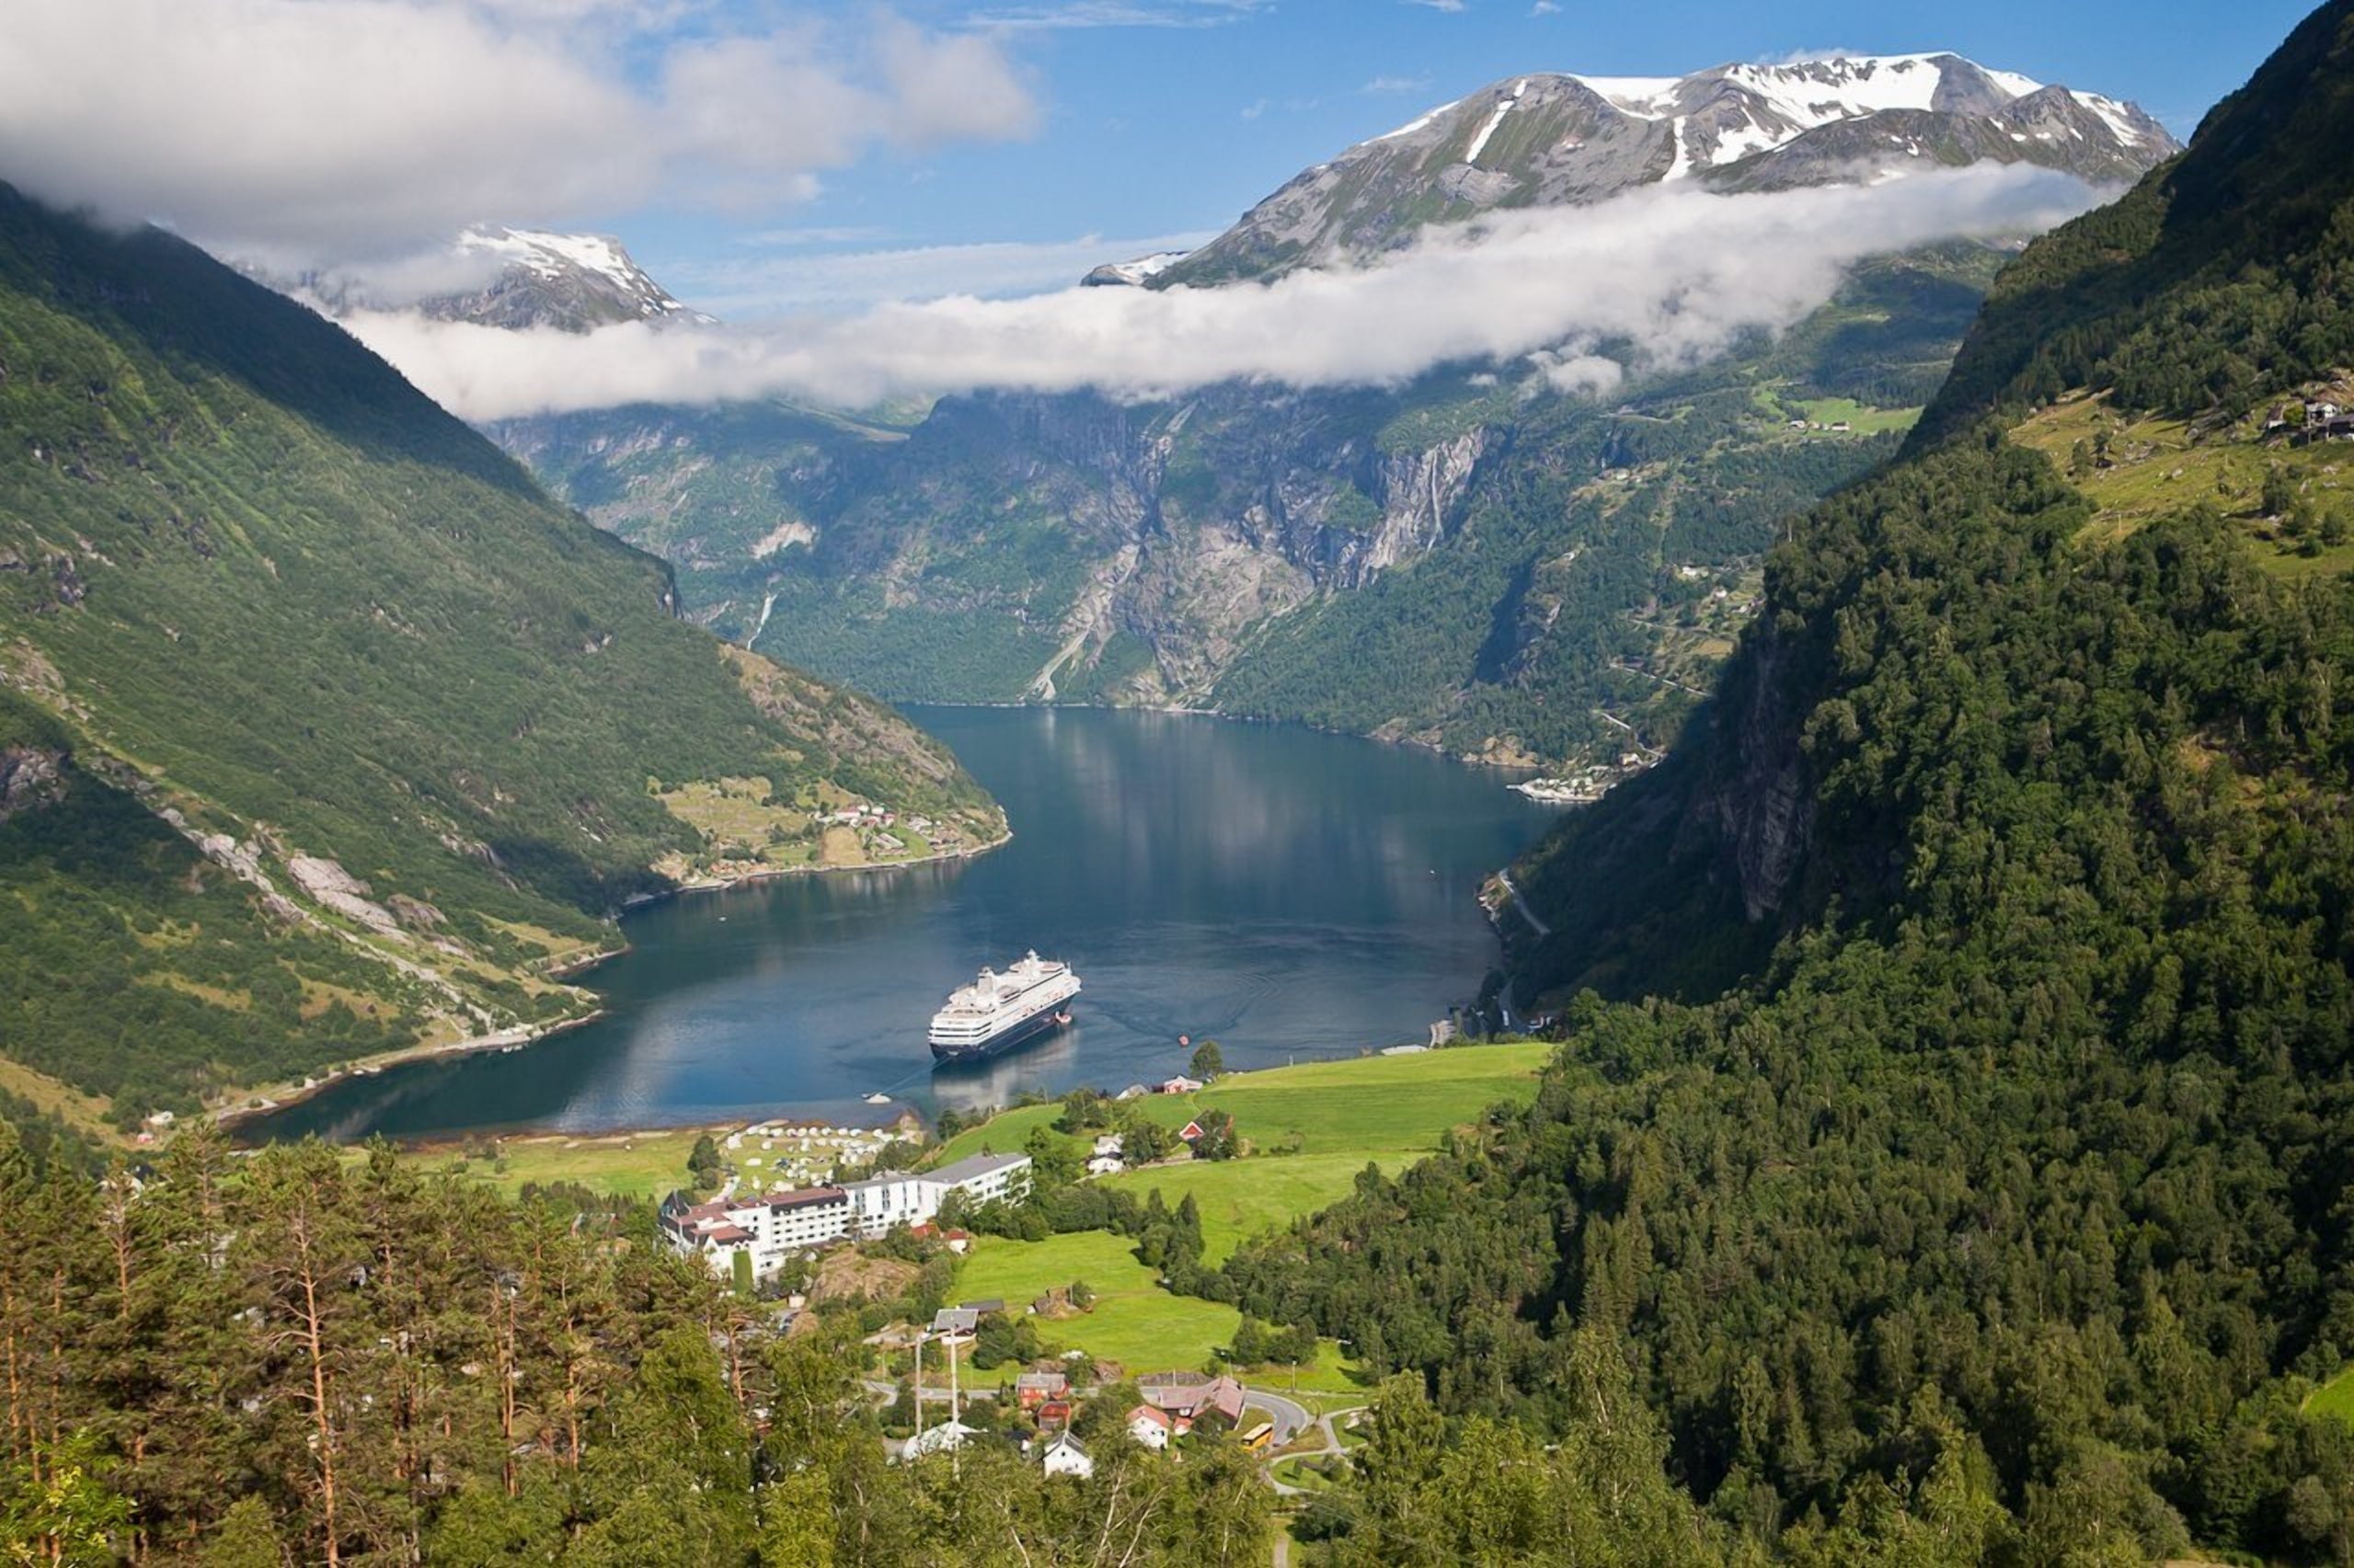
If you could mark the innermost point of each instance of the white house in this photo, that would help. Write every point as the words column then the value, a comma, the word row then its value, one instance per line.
column 1106, row 1165
column 891, row 1198
column 1065, row 1457
column 1151, row 1425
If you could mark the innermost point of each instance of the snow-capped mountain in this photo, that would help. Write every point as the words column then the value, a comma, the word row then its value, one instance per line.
column 509, row 278
column 576, row 282
column 1131, row 274
column 1553, row 139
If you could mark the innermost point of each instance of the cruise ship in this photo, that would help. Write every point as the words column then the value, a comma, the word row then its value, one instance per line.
column 998, row 1011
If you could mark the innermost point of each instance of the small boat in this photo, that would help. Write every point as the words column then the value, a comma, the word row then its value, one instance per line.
column 878, row 1099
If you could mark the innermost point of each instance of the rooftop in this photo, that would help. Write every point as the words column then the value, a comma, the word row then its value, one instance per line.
column 973, row 1166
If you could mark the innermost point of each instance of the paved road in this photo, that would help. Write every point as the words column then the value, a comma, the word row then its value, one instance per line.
column 1289, row 1416
column 1323, row 1427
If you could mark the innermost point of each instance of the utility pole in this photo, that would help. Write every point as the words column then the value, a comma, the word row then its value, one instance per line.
column 915, row 1444
column 956, row 1432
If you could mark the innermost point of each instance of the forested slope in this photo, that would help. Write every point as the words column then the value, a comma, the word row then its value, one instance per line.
column 419, row 720
column 296, row 1358
column 1998, row 1214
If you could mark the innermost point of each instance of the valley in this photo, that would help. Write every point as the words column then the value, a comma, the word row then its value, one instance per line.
column 1678, row 749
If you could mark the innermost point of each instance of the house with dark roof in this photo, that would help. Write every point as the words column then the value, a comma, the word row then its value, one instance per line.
column 1191, row 1396
column 1064, row 1456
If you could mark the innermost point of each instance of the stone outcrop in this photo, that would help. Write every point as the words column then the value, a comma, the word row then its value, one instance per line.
column 335, row 889
column 30, row 777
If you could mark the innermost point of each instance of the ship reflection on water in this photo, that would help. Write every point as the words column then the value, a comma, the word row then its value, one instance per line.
column 1000, row 1081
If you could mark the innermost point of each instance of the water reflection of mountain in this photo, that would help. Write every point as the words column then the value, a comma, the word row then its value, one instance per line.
column 1290, row 892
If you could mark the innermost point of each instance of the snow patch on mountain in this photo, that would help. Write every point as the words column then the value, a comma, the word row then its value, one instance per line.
column 1133, row 274
column 1503, row 108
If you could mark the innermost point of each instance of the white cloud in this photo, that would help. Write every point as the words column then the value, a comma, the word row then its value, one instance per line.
column 1679, row 272
column 1544, row 8
column 1120, row 14
column 1397, row 85
column 744, row 287
column 1450, row 7
column 308, row 129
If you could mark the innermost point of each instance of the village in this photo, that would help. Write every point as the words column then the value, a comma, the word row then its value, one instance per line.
column 852, row 1236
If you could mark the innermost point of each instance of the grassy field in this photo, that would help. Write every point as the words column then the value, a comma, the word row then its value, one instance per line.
column 1360, row 1106
column 1865, row 419
column 1311, row 1127
column 1338, row 1116
column 646, row 1164
column 1240, row 1198
column 2334, row 1398
column 1133, row 1321
column 2154, row 469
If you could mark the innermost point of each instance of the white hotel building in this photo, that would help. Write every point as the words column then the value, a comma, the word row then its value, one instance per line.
column 772, row 1226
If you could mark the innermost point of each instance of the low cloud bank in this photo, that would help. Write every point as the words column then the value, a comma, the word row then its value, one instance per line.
column 1681, row 273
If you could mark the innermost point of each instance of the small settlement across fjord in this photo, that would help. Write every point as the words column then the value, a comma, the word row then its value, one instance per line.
column 1029, row 1278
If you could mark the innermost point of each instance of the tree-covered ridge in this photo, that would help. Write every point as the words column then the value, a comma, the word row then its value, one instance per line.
column 268, row 587
column 2224, row 278
column 1976, row 1191
column 2034, row 1139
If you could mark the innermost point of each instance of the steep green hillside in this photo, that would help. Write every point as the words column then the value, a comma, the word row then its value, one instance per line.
column 1997, row 1215
column 409, row 711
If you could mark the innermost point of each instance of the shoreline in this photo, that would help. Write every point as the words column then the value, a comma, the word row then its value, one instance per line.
column 517, row 1037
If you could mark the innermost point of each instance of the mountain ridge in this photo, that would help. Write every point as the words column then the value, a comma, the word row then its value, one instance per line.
column 408, row 727
column 1560, row 138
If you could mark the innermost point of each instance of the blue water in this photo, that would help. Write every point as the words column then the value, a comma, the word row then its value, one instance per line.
column 1290, row 893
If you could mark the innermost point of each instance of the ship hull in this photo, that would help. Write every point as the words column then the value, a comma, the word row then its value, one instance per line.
column 1040, row 1025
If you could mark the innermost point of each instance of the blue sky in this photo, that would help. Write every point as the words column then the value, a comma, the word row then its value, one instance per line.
column 765, row 157
column 1168, row 117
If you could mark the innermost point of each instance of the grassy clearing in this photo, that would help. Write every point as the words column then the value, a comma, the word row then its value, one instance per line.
column 741, row 817
column 1360, row 1106
column 1865, row 419
column 91, row 1115
column 2334, row 1398
column 1337, row 1116
column 2151, row 468
column 642, row 1165
column 1327, row 1119
column 1133, row 1321
column 1241, row 1198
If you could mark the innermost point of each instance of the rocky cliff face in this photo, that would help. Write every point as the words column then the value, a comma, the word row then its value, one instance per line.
column 1759, row 809
column 1463, row 560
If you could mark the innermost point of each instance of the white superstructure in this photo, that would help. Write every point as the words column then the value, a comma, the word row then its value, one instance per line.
column 1001, row 1010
